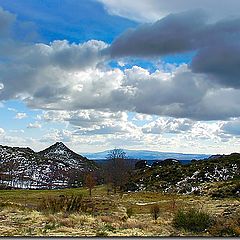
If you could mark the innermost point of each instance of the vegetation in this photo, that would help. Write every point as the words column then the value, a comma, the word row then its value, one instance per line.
column 62, row 204
column 192, row 220
column 226, row 227
column 117, row 169
column 41, row 213
column 90, row 182
column 129, row 211
column 155, row 211
column 165, row 199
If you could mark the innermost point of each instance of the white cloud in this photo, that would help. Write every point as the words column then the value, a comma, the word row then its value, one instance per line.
column 2, row 132
column 168, row 125
column 92, row 122
column 34, row 125
column 75, row 77
column 1, row 86
column 56, row 135
column 142, row 117
column 12, row 109
column 20, row 115
column 179, row 93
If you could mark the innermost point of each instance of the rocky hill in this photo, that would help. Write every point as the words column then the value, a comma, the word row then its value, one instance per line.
column 54, row 167
column 172, row 176
column 66, row 156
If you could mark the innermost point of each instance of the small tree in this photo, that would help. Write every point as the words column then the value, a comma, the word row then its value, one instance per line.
column 155, row 211
column 90, row 182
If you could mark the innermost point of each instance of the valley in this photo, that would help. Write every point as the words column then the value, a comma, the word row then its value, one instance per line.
column 57, row 192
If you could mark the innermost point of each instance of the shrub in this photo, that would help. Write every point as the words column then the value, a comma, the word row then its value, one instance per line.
column 193, row 220
column 4, row 187
column 109, row 227
column 129, row 212
column 61, row 204
column 101, row 233
column 155, row 211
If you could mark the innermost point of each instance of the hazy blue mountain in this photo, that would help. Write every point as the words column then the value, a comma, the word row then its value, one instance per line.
column 147, row 155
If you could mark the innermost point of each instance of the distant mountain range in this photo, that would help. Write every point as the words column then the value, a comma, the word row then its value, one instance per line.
column 147, row 155
column 59, row 167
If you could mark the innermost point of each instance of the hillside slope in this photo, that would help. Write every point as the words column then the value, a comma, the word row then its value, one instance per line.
column 54, row 167
column 175, row 177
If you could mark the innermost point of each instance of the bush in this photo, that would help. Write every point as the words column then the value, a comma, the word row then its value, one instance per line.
column 101, row 233
column 155, row 211
column 129, row 212
column 4, row 187
column 61, row 204
column 193, row 220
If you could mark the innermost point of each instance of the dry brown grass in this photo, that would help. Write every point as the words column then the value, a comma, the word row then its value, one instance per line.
column 109, row 217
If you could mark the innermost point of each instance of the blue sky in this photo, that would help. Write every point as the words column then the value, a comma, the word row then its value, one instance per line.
column 98, row 74
column 76, row 21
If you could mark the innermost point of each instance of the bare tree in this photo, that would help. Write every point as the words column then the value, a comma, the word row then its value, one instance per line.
column 116, row 153
column 117, row 169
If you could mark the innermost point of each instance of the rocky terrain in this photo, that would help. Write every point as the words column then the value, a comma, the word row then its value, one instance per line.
column 172, row 176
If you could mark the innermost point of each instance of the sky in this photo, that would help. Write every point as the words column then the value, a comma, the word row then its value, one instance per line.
column 101, row 74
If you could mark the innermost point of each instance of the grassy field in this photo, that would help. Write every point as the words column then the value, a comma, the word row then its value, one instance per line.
column 124, row 214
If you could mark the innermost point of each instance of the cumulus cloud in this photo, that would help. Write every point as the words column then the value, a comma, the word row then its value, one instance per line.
column 135, row 90
column 69, row 77
column 142, row 117
column 20, row 116
column 152, row 10
column 62, row 54
column 56, row 135
column 162, row 125
column 42, row 69
column 92, row 122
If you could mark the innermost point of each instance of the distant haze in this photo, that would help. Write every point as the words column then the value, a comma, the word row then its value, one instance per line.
column 147, row 155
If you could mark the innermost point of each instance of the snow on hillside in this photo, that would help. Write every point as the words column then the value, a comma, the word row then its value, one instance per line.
column 53, row 167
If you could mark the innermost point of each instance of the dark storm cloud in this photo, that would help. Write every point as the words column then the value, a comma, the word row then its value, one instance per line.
column 217, row 44
column 172, row 34
column 221, row 63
